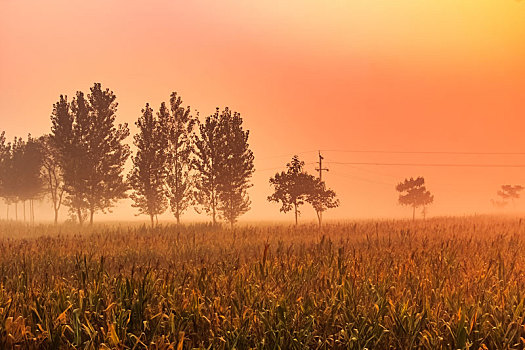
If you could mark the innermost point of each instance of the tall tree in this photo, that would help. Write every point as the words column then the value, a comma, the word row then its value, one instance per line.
column 92, row 150
column 511, row 192
column 179, row 125
column 236, row 167
column 414, row 193
column 5, row 156
column 321, row 198
column 148, row 176
column 31, row 185
column 207, row 163
column 52, row 173
column 291, row 187
column 67, row 136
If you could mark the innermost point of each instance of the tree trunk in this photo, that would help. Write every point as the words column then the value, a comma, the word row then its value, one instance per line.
column 24, row 209
column 295, row 207
column 91, row 213
column 151, row 217
column 413, row 213
column 80, row 218
column 56, row 216
column 177, row 216
column 7, row 214
column 319, row 218
column 16, row 211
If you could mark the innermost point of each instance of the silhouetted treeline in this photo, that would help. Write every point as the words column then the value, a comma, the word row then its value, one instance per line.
column 180, row 162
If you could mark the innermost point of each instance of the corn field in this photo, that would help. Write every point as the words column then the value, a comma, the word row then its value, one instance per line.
column 447, row 283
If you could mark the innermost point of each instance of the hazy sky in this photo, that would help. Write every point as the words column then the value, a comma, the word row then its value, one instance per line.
column 403, row 75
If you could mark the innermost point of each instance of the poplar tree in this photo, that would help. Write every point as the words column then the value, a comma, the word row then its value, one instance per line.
column 207, row 162
column 52, row 173
column 236, row 167
column 147, row 178
column 179, row 125
column 91, row 150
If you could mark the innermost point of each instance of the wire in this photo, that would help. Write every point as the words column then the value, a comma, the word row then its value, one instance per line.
column 426, row 152
column 435, row 165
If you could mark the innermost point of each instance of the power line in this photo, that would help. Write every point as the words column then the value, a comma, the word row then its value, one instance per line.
column 434, row 164
column 427, row 152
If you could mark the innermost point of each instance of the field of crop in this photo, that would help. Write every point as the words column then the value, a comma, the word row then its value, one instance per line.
column 439, row 284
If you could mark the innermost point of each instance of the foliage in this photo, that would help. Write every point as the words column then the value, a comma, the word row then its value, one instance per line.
column 148, row 176
column 415, row 193
column 295, row 187
column 291, row 187
column 51, row 173
column 92, row 150
column 224, row 165
column 178, row 126
column 236, row 167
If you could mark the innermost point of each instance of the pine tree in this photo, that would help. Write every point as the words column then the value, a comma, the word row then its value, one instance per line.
column 179, row 125
column 149, row 172
column 236, row 167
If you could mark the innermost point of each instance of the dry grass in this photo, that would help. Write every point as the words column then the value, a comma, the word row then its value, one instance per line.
column 443, row 283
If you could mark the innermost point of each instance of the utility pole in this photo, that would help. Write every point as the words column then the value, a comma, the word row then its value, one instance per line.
column 320, row 170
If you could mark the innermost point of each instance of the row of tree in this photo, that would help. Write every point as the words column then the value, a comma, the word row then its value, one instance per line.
column 179, row 161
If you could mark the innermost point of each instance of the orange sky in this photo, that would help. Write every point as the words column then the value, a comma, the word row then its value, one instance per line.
column 402, row 75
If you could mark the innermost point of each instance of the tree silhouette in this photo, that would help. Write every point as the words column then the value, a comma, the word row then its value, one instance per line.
column 179, row 125
column 414, row 193
column 207, row 162
column 236, row 167
column 321, row 198
column 92, row 152
column 5, row 160
column 52, row 173
column 292, row 187
column 511, row 192
column 148, row 176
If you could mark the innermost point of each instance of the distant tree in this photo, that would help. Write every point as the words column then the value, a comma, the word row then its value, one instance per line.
column 292, row 188
column 5, row 159
column 148, row 176
column 92, row 151
column 321, row 198
column 207, row 163
column 179, row 125
column 414, row 193
column 31, row 184
column 511, row 192
column 52, row 173
column 499, row 204
column 236, row 167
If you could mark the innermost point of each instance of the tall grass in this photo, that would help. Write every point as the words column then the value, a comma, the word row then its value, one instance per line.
column 444, row 283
